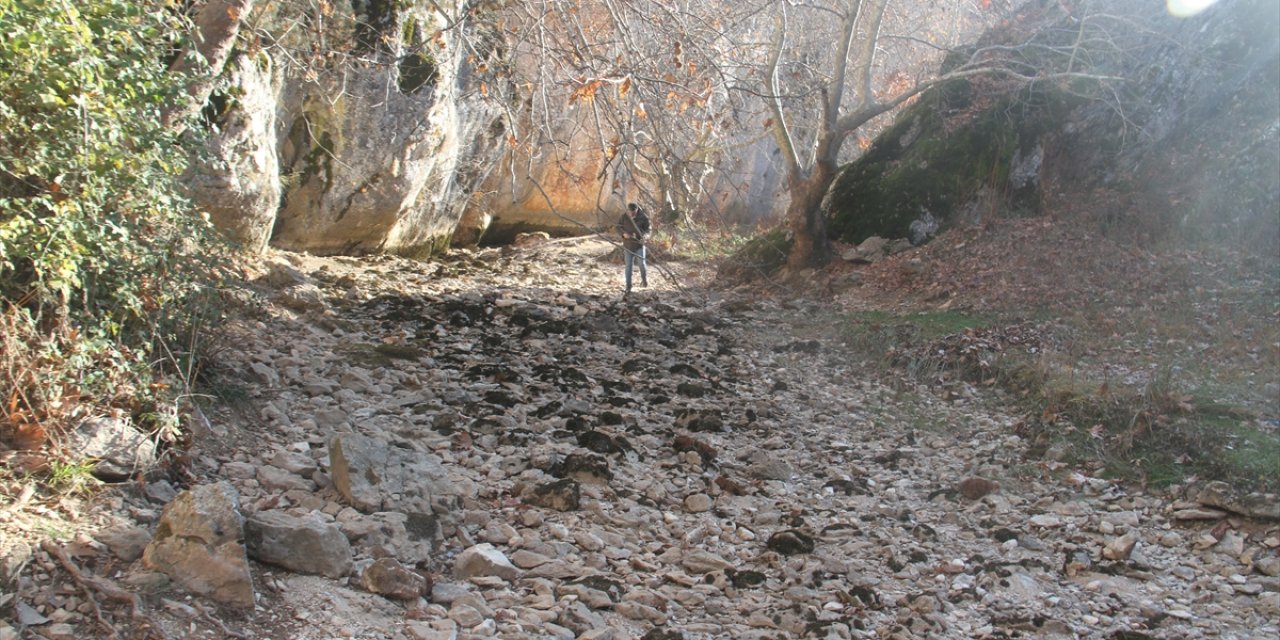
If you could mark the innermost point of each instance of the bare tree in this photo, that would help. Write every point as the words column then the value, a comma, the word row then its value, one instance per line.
column 676, row 93
column 673, row 89
column 841, row 98
column 637, row 84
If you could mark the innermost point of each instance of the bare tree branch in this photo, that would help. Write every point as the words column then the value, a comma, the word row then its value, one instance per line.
column 781, row 132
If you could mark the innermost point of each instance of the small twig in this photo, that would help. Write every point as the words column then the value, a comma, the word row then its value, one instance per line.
column 92, row 584
column 23, row 497
column 80, row 580
column 208, row 617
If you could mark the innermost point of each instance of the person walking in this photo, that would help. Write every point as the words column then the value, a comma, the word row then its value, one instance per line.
column 634, row 227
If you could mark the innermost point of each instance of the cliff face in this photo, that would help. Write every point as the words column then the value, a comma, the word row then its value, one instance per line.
column 237, row 179
column 374, row 126
column 569, row 189
column 564, row 190
column 1186, row 142
column 369, row 168
column 350, row 133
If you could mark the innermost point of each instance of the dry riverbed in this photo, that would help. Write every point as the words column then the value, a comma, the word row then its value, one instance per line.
column 497, row 444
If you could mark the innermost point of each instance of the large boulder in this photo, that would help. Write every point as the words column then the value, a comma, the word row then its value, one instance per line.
column 372, row 475
column 373, row 171
column 116, row 449
column 303, row 544
column 199, row 542
column 1185, row 142
column 929, row 167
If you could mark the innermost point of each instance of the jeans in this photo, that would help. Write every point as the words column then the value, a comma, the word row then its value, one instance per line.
column 631, row 258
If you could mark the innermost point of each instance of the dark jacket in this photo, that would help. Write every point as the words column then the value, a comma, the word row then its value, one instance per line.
column 634, row 229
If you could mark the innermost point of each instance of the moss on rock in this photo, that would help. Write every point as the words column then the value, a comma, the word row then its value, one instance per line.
column 762, row 255
column 434, row 246
column 418, row 67
column 955, row 142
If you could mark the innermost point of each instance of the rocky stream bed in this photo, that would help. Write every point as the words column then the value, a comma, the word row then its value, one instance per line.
column 498, row 445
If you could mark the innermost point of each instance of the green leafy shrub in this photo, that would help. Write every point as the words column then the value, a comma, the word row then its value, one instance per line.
column 102, row 260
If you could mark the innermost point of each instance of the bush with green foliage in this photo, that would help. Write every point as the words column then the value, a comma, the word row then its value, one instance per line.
column 102, row 260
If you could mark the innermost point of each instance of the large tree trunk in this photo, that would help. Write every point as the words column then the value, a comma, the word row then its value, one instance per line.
column 810, row 247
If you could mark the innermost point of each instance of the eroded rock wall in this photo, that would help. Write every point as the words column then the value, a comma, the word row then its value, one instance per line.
column 370, row 143
column 570, row 190
column 566, row 189
column 237, row 179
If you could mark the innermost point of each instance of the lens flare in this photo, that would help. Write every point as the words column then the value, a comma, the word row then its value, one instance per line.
column 1188, row 8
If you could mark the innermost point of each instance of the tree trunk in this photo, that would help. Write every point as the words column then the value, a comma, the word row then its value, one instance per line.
column 805, row 218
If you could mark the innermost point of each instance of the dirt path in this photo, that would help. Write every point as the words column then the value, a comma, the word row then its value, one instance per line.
column 672, row 465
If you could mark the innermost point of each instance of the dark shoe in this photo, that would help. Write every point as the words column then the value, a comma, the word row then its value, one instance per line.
column 644, row 283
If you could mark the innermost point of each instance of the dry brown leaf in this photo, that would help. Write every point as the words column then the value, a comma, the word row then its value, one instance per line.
column 28, row 436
